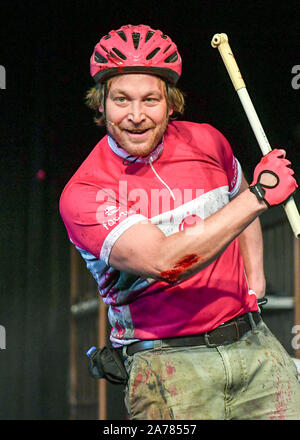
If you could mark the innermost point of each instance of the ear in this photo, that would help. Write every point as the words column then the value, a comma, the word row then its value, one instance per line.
column 171, row 111
column 101, row 109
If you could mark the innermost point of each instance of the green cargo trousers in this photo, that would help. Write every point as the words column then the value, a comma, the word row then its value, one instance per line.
column 253, row 378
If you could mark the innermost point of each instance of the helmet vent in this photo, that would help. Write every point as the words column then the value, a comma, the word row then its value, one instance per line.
column 99, row 58
column 136, row 39
column 148, row 36
column 107, row 37
column 152, row 54
column 164, row 36
column 172, row 58
column 120, row 54
column 122, row 35
column 104, row 48
column 167, row 48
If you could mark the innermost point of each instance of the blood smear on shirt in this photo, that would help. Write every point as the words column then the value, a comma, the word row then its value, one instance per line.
column 172, row 275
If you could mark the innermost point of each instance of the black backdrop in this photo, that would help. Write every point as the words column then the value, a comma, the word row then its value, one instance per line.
column 46, row 132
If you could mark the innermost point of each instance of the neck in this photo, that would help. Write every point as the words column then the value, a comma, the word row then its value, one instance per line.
column 117, row 149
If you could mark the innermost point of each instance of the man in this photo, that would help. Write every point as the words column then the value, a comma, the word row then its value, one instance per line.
column 169, row 228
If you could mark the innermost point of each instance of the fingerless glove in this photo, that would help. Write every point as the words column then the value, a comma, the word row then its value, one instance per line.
column 283, row 183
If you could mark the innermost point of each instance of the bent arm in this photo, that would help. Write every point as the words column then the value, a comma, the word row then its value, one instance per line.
column 143, row 249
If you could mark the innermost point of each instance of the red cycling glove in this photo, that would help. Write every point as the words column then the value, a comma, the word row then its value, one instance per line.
column 281, row 186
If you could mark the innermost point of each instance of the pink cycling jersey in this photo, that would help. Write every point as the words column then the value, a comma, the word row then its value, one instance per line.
column 190, row 175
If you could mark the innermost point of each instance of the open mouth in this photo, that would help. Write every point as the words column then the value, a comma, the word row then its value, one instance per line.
column 137, row 133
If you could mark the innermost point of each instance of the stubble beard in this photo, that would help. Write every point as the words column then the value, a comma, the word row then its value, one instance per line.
column 136, row 148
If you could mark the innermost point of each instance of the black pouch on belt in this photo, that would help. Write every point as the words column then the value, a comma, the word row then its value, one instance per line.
column 106, row 363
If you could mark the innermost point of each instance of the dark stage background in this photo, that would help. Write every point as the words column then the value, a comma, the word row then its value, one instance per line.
column 46, row 131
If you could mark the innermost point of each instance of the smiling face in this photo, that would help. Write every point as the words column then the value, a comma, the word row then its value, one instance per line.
column 137, row 112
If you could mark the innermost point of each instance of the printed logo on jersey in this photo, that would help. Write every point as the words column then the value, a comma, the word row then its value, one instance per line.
column 112, row 216
column 190, row 221
column 108, row 212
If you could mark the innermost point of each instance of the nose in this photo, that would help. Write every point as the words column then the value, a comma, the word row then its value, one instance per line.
column 136, row 114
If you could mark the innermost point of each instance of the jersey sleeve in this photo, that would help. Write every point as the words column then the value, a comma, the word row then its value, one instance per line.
column 227, row 160
column 95, row 218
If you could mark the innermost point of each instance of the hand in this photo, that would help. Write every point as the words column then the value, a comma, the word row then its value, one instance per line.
column 273, row 179
column 257, row 283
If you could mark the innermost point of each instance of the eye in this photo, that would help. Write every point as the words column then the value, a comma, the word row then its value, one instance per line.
column 151, row 100
column 120, row 99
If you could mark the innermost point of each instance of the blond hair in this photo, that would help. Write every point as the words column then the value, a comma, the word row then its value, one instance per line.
column 96, row 96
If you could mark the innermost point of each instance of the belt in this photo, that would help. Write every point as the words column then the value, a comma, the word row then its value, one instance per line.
column 228, row 332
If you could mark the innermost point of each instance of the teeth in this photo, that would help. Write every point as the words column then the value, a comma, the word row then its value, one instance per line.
column 137, row 132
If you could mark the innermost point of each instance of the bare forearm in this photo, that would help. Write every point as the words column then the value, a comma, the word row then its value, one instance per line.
column 251, row 245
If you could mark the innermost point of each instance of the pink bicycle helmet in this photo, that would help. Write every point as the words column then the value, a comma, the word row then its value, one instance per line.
column 134, row 49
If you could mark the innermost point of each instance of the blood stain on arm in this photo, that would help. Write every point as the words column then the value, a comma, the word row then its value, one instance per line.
column 172, row 275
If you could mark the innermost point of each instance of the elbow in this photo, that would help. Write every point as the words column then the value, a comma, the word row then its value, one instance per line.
column 182, row 268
